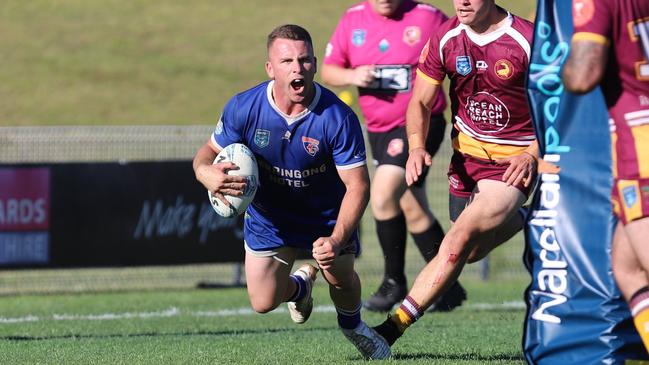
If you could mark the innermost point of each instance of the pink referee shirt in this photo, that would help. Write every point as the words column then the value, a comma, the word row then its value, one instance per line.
column 393, row 45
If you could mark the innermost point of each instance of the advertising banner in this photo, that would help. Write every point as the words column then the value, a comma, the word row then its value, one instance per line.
column 575, row 313
column 111, row 214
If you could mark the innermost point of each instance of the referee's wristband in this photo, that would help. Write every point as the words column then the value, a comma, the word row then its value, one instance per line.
column 415, row 142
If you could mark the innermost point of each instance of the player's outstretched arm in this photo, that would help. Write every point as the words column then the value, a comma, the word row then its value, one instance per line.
column 360, row 76
column 417, row 124
column 585, row 66
column 352, row 207
column 215, row 177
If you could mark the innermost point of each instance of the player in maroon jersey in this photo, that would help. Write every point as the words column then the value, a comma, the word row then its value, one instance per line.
column 376, row 47
column 485, row 52
column 610, row 47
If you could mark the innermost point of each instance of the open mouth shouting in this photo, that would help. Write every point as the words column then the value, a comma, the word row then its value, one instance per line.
column 297, row 85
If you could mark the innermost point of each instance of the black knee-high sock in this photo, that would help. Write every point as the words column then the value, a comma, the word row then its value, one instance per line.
column 392, row 235
column 429, row 240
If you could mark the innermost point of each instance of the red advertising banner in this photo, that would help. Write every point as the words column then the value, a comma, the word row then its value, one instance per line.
column 24, row 198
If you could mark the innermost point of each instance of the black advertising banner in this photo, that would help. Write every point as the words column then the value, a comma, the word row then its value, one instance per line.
column 111, row 214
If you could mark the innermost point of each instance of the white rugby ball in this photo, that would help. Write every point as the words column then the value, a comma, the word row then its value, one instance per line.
column 240, row 155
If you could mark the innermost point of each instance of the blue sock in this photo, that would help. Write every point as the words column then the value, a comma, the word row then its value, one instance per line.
column 349, row 319
column 300, row 288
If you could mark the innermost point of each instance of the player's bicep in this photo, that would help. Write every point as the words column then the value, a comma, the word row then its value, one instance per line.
column 586, row 65
column 355, row 177
column 425, row 90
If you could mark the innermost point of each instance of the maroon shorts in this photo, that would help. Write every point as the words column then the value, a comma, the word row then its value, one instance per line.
column 630, row 199
column 465, row 171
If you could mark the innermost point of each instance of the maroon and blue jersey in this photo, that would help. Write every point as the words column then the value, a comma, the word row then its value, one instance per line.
column 300, row 191
column 624, row 25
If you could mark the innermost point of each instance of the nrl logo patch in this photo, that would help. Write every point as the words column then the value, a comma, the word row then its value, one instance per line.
column 630, row 196
column 463, row 65
column 358, row 37
column 310, row 145
column 262, row 137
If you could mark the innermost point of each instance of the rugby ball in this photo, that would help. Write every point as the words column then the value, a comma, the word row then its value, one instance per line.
column 240, row 155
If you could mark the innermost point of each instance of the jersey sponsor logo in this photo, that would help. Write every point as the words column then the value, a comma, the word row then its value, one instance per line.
column 412, row 35
column 488, row 113
column 219, row 127
column 463, row 65
column 424, row 52
column 310, row 145
column 582, row 12
column 358, row 37
column 630, row 195
column 481, row 65
column 395, row 147
column 504, row 69
column 384, row 45
column 262, row 137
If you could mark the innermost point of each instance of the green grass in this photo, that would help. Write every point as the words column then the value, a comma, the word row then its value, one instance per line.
column 186, row 337
column 144, row 61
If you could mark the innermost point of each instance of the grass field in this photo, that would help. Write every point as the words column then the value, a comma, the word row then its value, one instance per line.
column 145, row 61
column 217, row 327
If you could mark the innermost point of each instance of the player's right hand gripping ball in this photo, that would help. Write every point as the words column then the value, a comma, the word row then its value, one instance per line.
column 242, row 156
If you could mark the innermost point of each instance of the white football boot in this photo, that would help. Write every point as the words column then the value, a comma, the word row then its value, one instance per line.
column 301, row 310
column 369, row 343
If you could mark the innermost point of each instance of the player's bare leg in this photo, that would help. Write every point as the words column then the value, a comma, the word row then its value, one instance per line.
column 427, row 233
column 398, row 210
column 630, row 261
column 494, row 204
column 345, row 292
column 268, row 280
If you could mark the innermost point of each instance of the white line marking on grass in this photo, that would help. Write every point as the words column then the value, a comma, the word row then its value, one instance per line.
column 174, row 312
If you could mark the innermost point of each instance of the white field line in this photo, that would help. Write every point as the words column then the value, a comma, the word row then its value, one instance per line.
column 175, row 312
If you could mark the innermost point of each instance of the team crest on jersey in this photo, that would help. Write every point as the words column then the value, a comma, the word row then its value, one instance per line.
column 630, row 195
column 219, row 127
column 463, row 65
column 358, row 37
column 262, row 137
column 504, row 69
column 310, row 145
column 412, row 35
